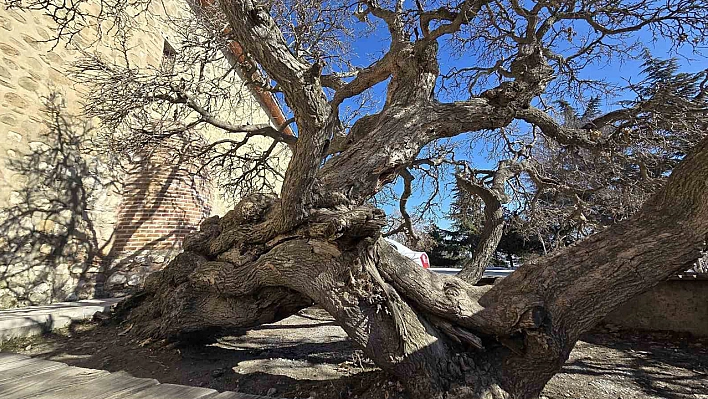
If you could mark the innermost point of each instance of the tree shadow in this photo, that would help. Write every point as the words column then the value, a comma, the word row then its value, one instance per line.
column 165, row 196
column 69, row 224
column 666, row 365
column 49, row 239
column 300, row 360
column 294, row 367
column 146, row 191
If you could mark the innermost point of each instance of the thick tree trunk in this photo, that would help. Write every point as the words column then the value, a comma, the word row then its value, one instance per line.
column 494, row 197
column 335, row 261
column 441, row 336
column 473, row 268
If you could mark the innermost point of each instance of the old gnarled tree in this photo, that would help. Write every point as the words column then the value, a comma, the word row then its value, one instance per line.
column 318, row 241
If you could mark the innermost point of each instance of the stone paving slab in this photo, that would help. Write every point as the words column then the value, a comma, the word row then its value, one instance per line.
column 6, row 357
column 20, row 369
column 23, row 377
column 44, row 308
column 48, row 382
column 35, row 320
column 110, row 386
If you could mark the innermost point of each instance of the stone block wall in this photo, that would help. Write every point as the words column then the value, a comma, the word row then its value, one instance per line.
column 112, row 230
column 31, row 70
column 678, row 304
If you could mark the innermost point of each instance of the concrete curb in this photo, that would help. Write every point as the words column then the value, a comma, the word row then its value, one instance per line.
column 35, row 320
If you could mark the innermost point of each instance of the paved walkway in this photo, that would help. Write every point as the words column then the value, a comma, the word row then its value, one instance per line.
column 34, row 320
column 24, row 377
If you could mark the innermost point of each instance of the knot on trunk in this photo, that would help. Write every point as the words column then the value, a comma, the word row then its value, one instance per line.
column 504, row 95
column 198, row 241
column 217, row 235
column 177, row 271
column 251, row 209
column 354, row 223
column 329, row 199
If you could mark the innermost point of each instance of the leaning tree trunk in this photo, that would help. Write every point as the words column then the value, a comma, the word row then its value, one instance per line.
column 494, row 197
column 318, row 243
column 223, row 280
column 473, row 268
column 441, row 336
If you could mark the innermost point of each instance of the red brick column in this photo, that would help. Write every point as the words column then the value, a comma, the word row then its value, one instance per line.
column 165, row 198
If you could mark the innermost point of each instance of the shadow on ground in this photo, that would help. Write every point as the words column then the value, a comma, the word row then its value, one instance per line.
column 631, row 364
column 298, row 357
column 308, row 355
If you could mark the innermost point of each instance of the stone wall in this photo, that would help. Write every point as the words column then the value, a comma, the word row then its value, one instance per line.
column 108, row 230
column 679, row 304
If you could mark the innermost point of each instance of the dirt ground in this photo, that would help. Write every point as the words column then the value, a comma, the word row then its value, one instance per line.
column 308, row 356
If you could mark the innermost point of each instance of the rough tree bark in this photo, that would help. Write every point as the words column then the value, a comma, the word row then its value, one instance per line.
column 494, row 197
column 319, row 241
column 440, row 335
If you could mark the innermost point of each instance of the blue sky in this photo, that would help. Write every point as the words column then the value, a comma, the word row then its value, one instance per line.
column 365, row 49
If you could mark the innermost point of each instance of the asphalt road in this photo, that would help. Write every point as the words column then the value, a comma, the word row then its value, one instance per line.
column 491, row 272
